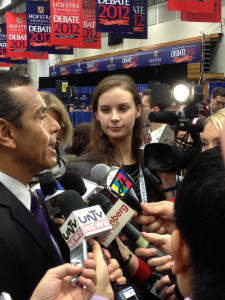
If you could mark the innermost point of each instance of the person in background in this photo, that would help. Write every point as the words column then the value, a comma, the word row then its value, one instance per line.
column 217, row 99
column 72, row 107
column 81, row 137
column 210, row 137
column 57, row 110
column 115, row 135
column 156, row 100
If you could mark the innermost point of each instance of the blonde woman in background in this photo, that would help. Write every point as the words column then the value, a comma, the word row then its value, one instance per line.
column 57, row 110
column 210, row 137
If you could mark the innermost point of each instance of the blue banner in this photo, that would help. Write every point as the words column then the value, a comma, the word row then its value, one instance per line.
column 3, row 41
column 190, row 53
column 114, row 16
column 38, row 29
column 140, row 28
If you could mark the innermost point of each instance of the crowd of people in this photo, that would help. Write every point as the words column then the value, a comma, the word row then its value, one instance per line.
column 37, row 137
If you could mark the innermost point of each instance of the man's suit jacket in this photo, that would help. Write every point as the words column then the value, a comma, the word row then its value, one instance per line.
column 25, row 251
column 168, row 136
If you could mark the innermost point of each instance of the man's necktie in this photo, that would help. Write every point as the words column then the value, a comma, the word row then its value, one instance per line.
column 41, row 219
column 147, row 138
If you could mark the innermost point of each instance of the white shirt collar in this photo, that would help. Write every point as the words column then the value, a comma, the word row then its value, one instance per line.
column 19, row 190
column 156, row 134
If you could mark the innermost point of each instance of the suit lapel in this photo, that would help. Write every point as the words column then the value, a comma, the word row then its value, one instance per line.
column 27, row 221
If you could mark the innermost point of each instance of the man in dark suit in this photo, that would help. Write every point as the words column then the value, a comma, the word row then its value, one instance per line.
column 154, row 101
column 27, row 143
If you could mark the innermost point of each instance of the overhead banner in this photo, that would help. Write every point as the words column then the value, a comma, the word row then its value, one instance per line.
column 5, row 65
column 114, row 16
column 189, row 53
column 91, row 38
column 16, row 29
column 191, row 5
column 66, row 22
column 3, row 41
column 140, row 28
column 214, row 17
column 39, row 28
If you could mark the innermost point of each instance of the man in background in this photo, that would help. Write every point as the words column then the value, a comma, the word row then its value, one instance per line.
column 156, row 100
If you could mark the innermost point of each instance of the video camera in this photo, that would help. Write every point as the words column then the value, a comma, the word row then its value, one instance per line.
column 163, row 157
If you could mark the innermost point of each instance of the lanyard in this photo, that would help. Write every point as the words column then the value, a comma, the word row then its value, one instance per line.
column 142, row 188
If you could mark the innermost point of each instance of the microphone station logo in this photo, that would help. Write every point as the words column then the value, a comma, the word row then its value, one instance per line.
column 121, row 183
column 118, row 216
column 86, row 223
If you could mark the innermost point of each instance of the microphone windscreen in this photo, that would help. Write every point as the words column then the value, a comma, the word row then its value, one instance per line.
column 168, row 117
column 70, row 201
column 100, row 199
column 73, row 181
column 48, row 184
column 99, row 174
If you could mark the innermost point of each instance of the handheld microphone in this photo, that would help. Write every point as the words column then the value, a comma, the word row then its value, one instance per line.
column 117, row 218
column 117, row 184
column 49, row 191
column 73, row 181
column 82, row 223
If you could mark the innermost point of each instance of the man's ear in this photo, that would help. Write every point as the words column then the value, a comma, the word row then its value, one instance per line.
column 156, row 109
column 181, row 253
column 7, row 134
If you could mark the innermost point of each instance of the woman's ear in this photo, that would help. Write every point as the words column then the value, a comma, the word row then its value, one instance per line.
column 96, row 116
column 7, row 137
column 138, row 111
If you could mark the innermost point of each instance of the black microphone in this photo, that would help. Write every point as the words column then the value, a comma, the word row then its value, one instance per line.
column 49, row 193
column 129, row 230
column 73, row 181
column 168, row 117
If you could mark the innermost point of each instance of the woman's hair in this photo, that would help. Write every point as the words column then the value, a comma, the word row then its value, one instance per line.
column 53, row 103
column 81, row 137
column 103, row 149
column 217, row 119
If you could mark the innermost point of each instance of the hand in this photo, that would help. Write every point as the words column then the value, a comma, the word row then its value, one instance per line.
column 163, row 242
column 58, row 221
column 115, row 272
column 165, row 288
column 103, row 287
column 56, row 283
column 159, row 217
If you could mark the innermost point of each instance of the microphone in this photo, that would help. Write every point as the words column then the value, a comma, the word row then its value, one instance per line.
column 49, row 191
column 118, row 184
column 82, row 223
column 73, row 181
column 168, row 117
column 100, row 173
column 118, row 216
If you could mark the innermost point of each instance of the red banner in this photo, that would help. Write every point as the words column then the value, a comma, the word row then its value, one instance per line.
column 66, row 22
column 5, row 65
column 16, row 28
column 214, row 17
column 205, row 6
column 91, row 38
